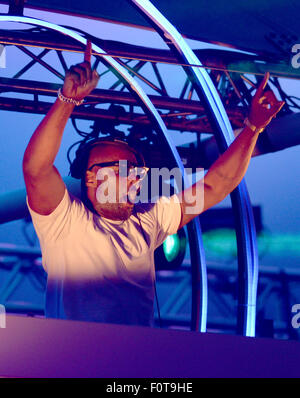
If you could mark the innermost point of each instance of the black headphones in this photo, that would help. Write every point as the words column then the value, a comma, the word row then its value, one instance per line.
column 79, row 164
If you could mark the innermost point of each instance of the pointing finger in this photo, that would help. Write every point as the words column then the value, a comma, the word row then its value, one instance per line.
column 262, row 86
column 88, row 52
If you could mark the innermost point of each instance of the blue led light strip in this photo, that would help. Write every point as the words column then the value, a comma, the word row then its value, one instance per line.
column 207, row 90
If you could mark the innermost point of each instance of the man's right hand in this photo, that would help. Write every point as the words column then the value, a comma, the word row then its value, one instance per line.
column 80, row 79
column 44, row 185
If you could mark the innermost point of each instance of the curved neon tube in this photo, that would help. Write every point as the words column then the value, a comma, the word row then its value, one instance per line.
column 171, row 34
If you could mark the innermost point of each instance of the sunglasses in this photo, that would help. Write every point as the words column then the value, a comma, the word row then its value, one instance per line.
column 124, row 169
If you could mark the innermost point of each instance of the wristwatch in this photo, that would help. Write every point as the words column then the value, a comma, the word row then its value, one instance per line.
column 252, row 127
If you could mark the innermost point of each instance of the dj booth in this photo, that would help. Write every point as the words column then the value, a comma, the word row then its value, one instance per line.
column 48, row 348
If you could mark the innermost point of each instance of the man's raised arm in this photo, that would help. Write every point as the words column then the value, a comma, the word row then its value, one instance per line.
column 229, row 169
column 45, row 187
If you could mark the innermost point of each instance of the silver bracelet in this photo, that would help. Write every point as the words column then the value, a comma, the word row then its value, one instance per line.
column 68, row 100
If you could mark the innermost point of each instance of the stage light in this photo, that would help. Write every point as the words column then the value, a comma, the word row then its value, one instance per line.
column 171, row 247
column 170, row 254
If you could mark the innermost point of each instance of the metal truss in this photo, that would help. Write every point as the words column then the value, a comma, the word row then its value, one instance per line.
column 21, row 269
column 278, row 291
column 181, row 110
column 179, row 107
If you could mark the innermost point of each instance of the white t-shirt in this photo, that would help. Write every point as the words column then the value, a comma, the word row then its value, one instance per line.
column 101, row 270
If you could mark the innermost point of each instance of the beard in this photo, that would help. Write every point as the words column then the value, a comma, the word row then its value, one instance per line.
column 104, row 201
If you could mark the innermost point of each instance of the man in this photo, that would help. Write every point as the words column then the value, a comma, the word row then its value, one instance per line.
column 100, row 256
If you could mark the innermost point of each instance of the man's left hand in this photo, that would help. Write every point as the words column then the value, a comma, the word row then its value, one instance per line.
column 264, row 105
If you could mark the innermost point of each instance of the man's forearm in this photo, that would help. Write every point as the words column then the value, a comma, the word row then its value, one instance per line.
column 229, row 169
column 45, row 141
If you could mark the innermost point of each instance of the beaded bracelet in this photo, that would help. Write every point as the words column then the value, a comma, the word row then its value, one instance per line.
column 68, row 100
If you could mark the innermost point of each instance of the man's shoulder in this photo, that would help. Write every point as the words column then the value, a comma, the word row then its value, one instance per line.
column 78, row 206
